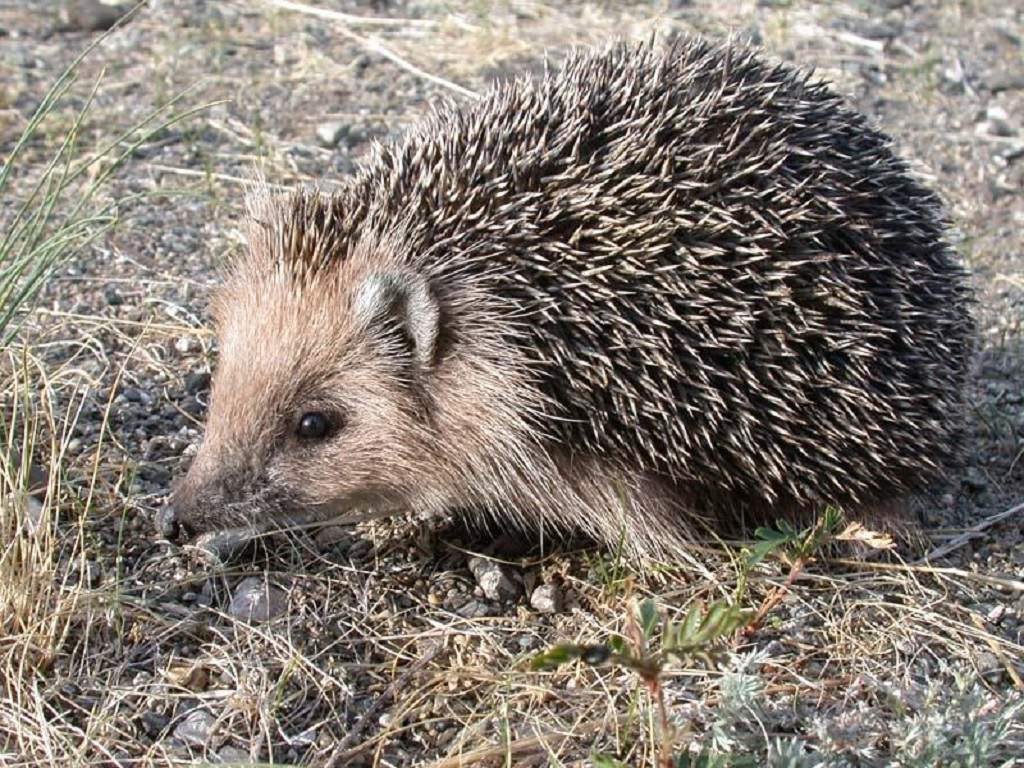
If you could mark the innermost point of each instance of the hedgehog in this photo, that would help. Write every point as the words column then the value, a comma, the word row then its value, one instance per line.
column 663, row 289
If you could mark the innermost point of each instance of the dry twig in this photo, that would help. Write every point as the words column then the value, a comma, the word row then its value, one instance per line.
column 971, row 533
column 342, row 752
column 351, row 18
column 373, row 45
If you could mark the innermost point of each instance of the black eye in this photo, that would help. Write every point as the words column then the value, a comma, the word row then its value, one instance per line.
column 313, row 426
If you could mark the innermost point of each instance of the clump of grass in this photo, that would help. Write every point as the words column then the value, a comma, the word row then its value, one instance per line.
column 63, row 210
column 51, row 213
column 41, row 568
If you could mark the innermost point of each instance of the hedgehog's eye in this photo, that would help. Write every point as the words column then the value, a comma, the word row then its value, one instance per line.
column 313, row 426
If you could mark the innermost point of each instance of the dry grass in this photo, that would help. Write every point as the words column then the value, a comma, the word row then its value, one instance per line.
column 42, row 573
column 386, row 654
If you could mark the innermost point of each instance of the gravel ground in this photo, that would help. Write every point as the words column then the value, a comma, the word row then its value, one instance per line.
column 392, row 644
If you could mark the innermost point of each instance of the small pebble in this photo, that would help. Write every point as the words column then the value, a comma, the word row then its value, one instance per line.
column 953, row 77
column 223, row 545
column 305, row 739
column 197, row 382
column 1006, row 81
column 89, row 15
column 497, row 580
column 195, row 729
column 32, row 510
column 473, row 609
column 154, row 723
column 990, row 666
column 547, row 598
column 329, row 134
column 234, row 755
column 254, row 600
column 999, row 121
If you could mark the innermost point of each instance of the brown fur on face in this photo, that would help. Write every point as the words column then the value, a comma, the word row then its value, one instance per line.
column 287, row 349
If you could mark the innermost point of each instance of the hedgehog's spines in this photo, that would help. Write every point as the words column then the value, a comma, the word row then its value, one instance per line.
column 720, row 274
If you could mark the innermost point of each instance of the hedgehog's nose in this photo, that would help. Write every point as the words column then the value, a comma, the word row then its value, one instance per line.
column 169, row 525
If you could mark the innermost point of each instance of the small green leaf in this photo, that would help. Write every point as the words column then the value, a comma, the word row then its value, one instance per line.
column 765, row 533
column 700, row 630
column 691, row 623
column 833, row 518
column 710, row 628
column 618, row 644
column 556, row 656
column 648, row 618
column 768, row 540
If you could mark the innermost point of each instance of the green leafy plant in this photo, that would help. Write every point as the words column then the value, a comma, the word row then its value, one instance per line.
column 796, row 549
column 963, row 726
column 650, row 642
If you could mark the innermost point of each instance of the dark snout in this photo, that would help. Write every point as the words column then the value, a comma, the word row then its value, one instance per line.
column 213, row 497
column 173, row 519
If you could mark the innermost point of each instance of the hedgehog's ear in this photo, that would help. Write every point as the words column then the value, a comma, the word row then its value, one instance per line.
column 404, row 300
